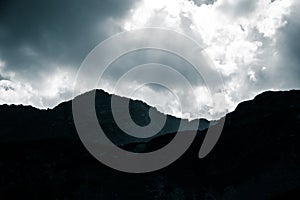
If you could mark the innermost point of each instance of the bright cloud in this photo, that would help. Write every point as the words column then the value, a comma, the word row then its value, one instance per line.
column 55, row 87
column 239, row 36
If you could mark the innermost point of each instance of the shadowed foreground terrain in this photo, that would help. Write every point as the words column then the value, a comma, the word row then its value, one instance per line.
column 257, row 156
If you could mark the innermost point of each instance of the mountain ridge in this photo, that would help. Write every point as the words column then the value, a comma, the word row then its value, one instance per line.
column 141, row 101
column 256, row 157
column 62, row 113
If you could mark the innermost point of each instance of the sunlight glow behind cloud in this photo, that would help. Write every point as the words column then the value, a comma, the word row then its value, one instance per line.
column 238, row 36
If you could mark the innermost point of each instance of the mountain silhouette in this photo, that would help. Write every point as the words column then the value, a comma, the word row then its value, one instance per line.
column 256, row 157
column 26, row 123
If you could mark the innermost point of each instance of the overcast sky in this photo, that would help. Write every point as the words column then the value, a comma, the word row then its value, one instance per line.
column 254, row 44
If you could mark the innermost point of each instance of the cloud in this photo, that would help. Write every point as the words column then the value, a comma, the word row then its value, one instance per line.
column 248, row 42
column 253, row 44
column 40, row 39
column 287, row 59
column 54, row 31
column 55, row 87
column 17, row 93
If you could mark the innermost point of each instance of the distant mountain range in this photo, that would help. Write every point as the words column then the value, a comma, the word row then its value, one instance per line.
column 257, row 156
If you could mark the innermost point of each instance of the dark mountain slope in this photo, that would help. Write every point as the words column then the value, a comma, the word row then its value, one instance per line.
column 257, row 156
column 25, row 123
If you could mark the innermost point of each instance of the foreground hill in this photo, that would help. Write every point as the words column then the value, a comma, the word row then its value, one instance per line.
column 257, row 156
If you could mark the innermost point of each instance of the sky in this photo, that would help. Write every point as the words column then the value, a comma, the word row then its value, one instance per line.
column 254, row 45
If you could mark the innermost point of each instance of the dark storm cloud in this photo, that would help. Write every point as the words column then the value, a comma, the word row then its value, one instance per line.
column 35, row 34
